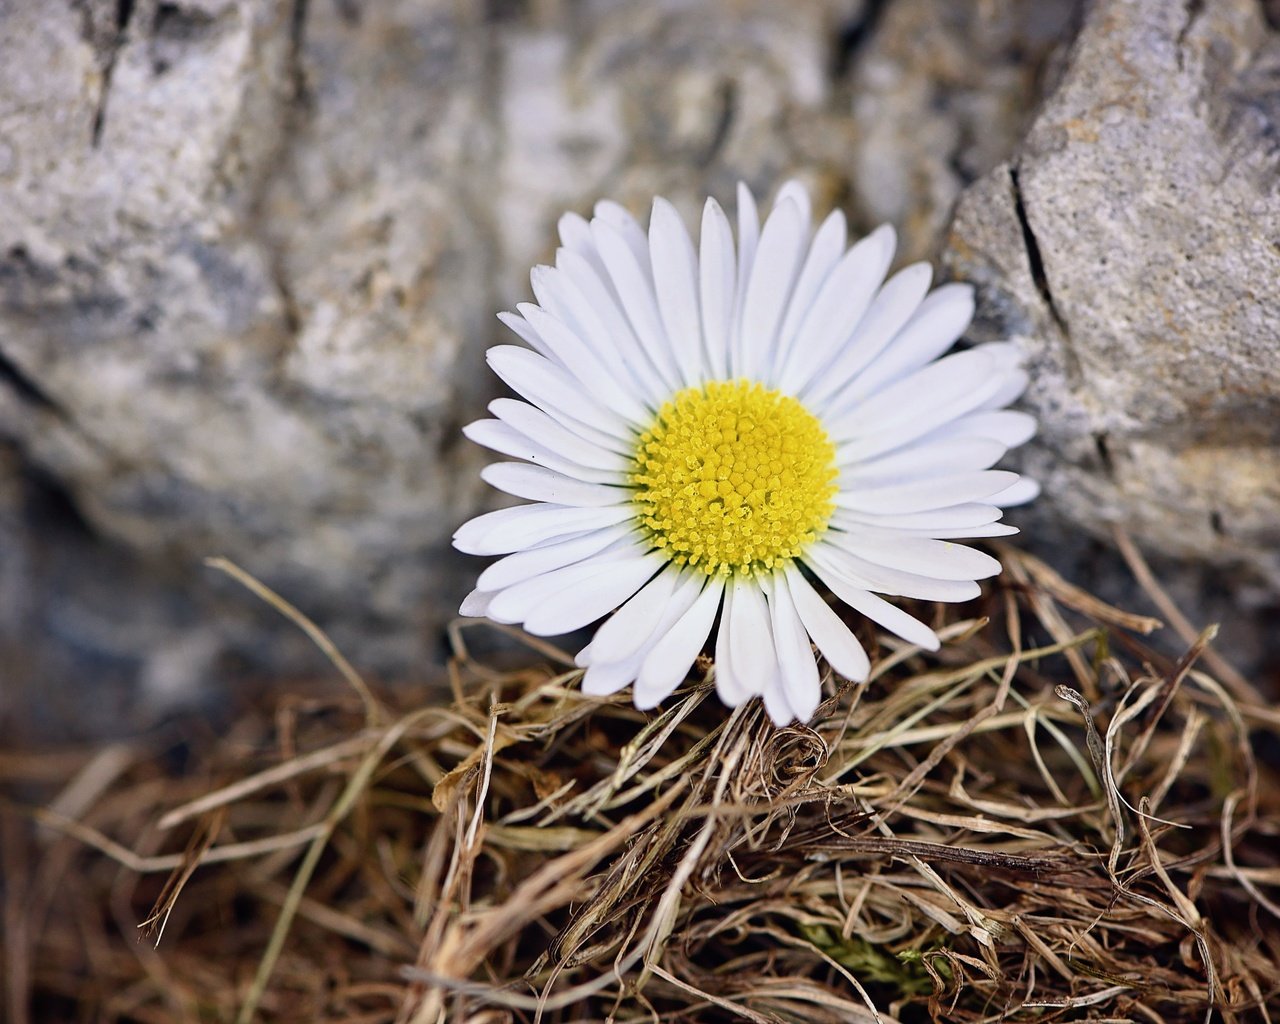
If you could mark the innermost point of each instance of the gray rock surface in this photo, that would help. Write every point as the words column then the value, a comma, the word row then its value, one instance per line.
column 1133, row 243
column 220, row 252
column 940, row 94
column 250, row 253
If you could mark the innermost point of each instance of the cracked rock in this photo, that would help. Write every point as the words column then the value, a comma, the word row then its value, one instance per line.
column 940, row 93
column 250, row 256
column 243, row 304
column 250, row 253
column 1132, row 245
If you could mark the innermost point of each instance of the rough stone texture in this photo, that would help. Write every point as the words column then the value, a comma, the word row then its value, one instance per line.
column 90, row 635
column 941, row 94
column 250, row 252
column 1134, row 245
column 223, row 316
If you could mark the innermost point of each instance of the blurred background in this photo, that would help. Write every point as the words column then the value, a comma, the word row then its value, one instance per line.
column 251, row 252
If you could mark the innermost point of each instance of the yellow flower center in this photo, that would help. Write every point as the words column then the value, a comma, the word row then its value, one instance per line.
column 733, row 478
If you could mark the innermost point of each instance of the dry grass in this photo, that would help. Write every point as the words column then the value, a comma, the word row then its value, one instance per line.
column 1046, row 821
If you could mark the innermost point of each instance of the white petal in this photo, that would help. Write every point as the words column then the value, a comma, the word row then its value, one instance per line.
column 526, row 564
column 826, row 333
column 802, row 688
column 748, row 240
column 635, row 293
column 575, row 235
column 931, row 493
column 512, row 529
column 1008, row 354
column 578, row 444
column 951, row 517
column 754, row 659
column 666, row 665
column 834, row 639
column 886, row 524
column 773, row 272
column 1017, row 494
column 632, row 624
column 889, row 310
column 681, row 601
column 941, row 385
column 619, row 218
column 731, row 690
column 924, row 556
column 775, row 698
column 550, row 286
column 529, row 336
column 588, row 294
column 537, row 483
column 881, row 579
column 825, row 252
column 476, row 604
column 923, row 459
column 717, row 278
column 504, row 438
column 990, row 530
column 1008, row 427
column 515, row 603
column 860, row 437
column 553, row 390
column 584, row 602
column 605, row 678
column 892, row 618
column 793, row 191
column 748, row 233
column 675, row 276
column 942, row 317
column 1013, row 384
column 611, row 386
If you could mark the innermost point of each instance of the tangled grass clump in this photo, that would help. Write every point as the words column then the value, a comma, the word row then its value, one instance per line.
column 1046, row 820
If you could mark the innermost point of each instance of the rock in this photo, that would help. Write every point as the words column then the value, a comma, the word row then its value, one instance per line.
column 250, row 256
column 1132, row 246
column 245, row 300
column 250, row 253
column 92, row 635
column 940, row 93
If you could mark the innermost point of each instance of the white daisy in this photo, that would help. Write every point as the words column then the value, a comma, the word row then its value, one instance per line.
column 708, row 429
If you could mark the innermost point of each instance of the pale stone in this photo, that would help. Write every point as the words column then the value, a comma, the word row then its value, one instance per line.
column 251, row 252
column 1132, row 246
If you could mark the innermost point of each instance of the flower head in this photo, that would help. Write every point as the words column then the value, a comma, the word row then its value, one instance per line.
column 707, row 430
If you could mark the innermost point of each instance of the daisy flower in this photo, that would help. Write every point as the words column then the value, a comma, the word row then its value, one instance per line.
column 708, row 430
